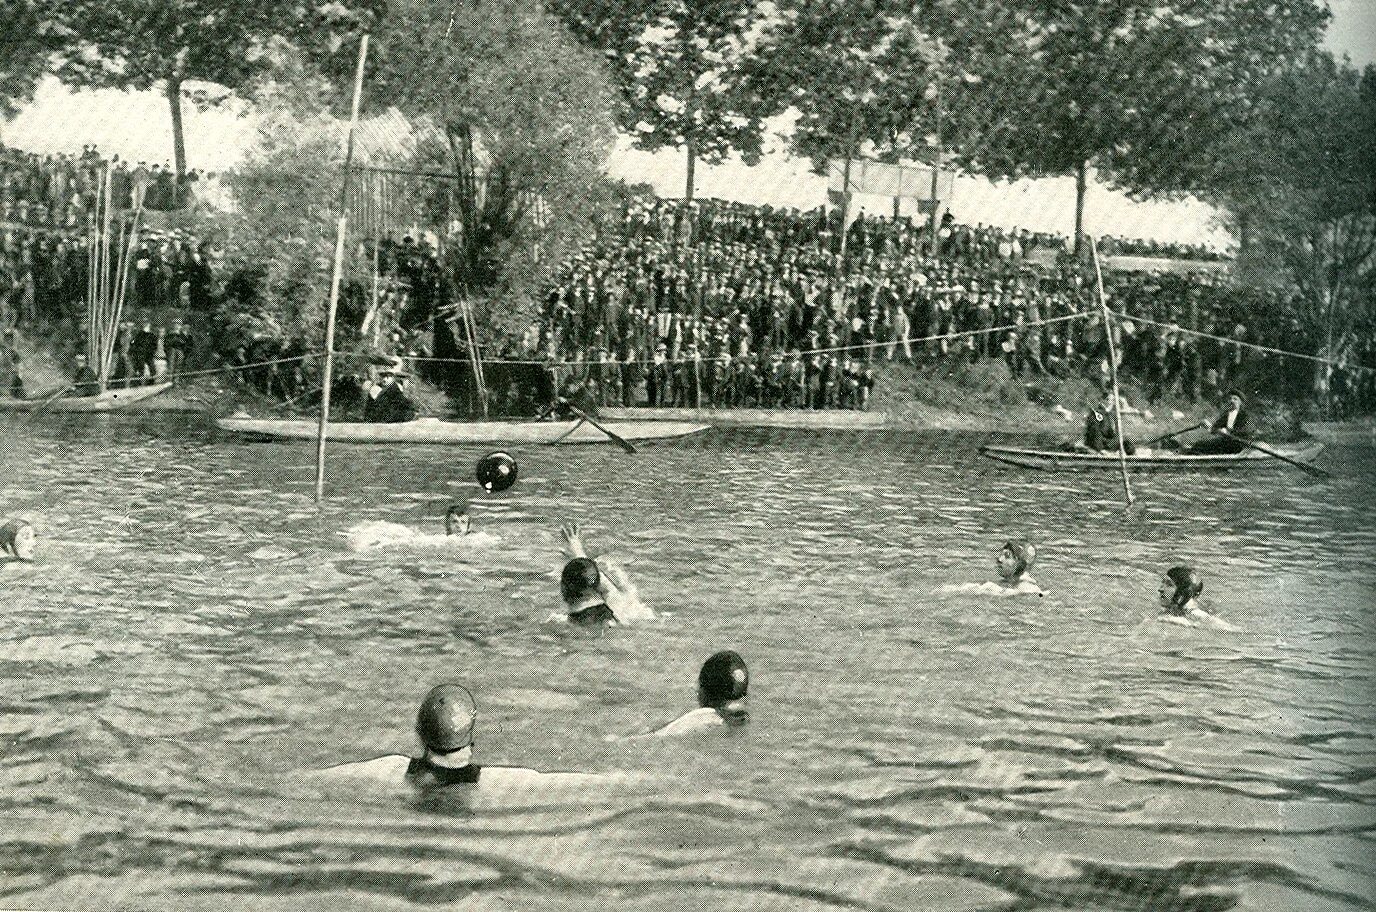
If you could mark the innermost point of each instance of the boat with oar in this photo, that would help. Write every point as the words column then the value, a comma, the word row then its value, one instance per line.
column 111, row 400
column 1147, row 459
column 436, row 430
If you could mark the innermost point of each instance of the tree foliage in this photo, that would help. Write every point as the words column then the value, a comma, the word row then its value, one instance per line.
column 1303, row 177
column 29, row 37
column 1138, row 90
column 684, row 70
column 522, row 120
column 138, row 44
column 896, row 79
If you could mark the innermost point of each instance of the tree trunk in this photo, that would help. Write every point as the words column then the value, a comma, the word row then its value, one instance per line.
column 174, row 102
column 1080, row 185
column 692, row 150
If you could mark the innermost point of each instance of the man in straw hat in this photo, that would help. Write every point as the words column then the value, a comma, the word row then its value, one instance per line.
column 387, row 401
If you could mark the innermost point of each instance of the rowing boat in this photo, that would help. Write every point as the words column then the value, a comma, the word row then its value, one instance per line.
column 109, row 401
column 1144, row 458
column 434, row 430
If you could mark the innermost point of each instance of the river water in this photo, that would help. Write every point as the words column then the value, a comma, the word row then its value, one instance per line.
column 196, row 637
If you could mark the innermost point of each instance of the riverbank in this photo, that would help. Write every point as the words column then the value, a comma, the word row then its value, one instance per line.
column 942, row 395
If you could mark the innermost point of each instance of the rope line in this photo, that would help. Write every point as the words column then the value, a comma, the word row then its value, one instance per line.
column 1173, row 327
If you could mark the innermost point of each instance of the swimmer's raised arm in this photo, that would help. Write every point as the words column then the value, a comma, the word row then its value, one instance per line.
column 572, row 534
column 611, row 579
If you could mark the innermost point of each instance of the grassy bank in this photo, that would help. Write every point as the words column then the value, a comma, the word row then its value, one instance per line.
column 986, row 397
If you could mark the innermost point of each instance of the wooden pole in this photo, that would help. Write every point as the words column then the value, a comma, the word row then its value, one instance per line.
column 936, row 175
column 327, row 377
column 1112, row 370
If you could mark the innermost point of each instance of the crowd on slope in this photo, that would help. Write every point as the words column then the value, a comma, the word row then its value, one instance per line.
column 722, row 303
column 704, row 303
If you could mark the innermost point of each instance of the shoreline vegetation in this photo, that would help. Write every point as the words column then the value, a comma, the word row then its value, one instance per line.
column 926, row 396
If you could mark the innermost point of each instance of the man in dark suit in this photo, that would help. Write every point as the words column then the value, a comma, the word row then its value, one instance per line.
column 1232, row 420
column 390, row 405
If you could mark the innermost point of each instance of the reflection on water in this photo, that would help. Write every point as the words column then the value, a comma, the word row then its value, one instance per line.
column 196, row 635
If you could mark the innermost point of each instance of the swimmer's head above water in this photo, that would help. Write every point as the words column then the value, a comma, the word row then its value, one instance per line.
column 457, row 521
column 1015, row 560
column 1181, row 586
column 723, row 680
column 580, row 581
column 445, row 723
column 18, row 538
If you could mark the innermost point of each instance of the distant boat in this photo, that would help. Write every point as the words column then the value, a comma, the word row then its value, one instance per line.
column 435, row 430
column 1145, row 459
column 109, row 401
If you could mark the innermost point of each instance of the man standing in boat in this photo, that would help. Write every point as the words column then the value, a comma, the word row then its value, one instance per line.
column 387, row 401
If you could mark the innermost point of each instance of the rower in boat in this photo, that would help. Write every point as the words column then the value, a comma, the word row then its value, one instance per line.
column 387, row 401
column 1231, row 420
column 1101, row 428
column 723, row 682
column 86, row 384
column 445, row 724
column 1179, row 594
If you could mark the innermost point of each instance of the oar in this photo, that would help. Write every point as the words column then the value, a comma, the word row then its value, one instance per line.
column 1312, row 470
column 1174, row 433
column 560, row 439
column 48, row 401
column 616, row 438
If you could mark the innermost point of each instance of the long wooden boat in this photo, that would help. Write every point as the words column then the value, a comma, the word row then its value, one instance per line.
column 1145, row 459
column 821, row 419
column 435, row 430
column 109, row 401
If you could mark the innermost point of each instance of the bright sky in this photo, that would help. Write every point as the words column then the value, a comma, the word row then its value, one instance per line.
column 137, row 127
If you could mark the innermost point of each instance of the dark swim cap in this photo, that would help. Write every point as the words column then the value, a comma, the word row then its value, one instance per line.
column 723, row 678
column 1024, row 553
column 446, row 717
column 580, row 577
column 1187, row 584
column 496, row 472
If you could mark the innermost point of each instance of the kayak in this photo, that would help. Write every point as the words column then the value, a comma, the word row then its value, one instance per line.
column 108, row 401
column 1145, row 458
column 435, row 430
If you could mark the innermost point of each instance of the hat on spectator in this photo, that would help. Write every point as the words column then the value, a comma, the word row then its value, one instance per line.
column 394, row 367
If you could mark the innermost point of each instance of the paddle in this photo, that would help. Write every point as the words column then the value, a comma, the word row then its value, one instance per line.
column 48, row 401
column 1174, row 433
column 560, row 439
column 1312, row 470
column 625, row 445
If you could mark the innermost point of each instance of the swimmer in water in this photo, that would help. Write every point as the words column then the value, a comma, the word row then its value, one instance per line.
column 457, row 521
column 1015, row 567
column 444, row 725
column 1179, row 594
column 722, row 685
column 17, row 538
column 595, row 594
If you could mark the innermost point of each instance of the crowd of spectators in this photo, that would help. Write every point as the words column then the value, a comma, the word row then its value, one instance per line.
column 47, row 206
column 705, row 303
column 722, row 303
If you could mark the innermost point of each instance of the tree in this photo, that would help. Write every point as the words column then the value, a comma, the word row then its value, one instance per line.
column 683, row 69
column 137, row 44
column 896, row 81
column 1136, row 90
column 30, row 36
column 521, row 117
column 1305, row 182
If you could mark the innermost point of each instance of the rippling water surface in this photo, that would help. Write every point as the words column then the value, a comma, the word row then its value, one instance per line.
column 197, row 635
